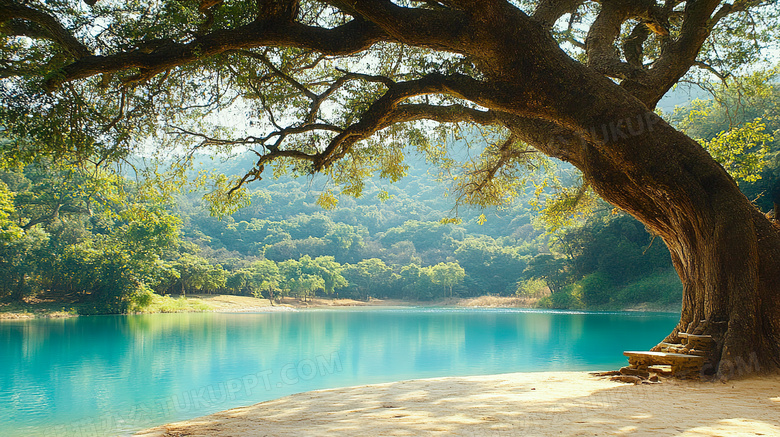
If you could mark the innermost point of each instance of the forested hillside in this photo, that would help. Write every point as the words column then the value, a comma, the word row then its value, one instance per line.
column 87, row 235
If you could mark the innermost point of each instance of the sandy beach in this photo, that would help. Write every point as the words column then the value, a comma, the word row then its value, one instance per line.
column 525, row 404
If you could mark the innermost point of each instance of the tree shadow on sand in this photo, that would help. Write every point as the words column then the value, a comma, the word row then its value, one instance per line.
column 561, row 403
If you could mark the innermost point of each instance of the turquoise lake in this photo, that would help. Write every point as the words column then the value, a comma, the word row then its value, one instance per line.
column 113, row 375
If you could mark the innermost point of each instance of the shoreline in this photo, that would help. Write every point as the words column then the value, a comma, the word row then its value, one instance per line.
column 218, row 303
column 223, row 303
column 542, row 403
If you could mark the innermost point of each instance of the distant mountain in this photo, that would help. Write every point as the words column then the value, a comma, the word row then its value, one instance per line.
column 681, row 95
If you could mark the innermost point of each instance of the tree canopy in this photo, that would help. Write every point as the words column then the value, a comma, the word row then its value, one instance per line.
column 306, row 83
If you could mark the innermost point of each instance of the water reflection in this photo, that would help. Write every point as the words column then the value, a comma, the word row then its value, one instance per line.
column 111, row 374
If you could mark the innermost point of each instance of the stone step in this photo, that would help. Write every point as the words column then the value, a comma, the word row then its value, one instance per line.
column 695, row 341
column 681, row 364
column 644, row 374
column 677, row 348
column 663, row 357
column 661, row 369
column 686, row 335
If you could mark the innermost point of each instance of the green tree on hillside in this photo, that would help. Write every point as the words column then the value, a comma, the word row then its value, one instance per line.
column 492, row 265
column 83, row 236
column 326, row 268
column 551, row 269
column 447, row 275
column 368, row 277
column 296, row 279
column 416, row 282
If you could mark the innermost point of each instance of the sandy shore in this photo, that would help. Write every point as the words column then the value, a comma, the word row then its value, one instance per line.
column 230, row 303
column 223, row 303
column 527, row 404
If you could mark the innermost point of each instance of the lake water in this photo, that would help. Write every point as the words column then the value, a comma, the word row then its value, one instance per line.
column 109, row 375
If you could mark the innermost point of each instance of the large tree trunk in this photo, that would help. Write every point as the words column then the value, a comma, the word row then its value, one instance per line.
column 726, row 252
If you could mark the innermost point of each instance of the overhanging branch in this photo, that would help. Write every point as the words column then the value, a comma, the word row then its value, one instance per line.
column 387, row 110
column 352, row 37
column 549, row 11
column 440, row 28
column 49, row 27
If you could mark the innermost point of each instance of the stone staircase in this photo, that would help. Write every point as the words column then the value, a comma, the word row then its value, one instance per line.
column 683, row 360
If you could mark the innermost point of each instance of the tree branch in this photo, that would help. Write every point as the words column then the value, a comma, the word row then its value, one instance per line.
column 352, row 37
column 600, row 43
column 720, row 75
column 342, row 143
column 549, row 11
column 441, row 29
column 443, row 114
column 267, row 62
column 50, row 28
column 386, row 111
column 553, row 140
column 677, row 55
column 730, row 8
column 482, row 178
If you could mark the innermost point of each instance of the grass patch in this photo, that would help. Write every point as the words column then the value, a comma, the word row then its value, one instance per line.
column 498, row 302
column 167, row 304
column 662, row 287
column 570, row 298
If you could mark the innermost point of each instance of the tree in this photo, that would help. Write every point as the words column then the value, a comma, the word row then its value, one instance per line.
column 194, row 273
column 552, row 270
column 416, row 282
column 266, row 277
column 79, row 234
column 495, row 267
column 18, row 262
column 368, row 277
column 326, row 268
column 301, row 278
column 338, row 87
column 9, row 230
column 447, row 275
column 240, row 282
column 344, row 241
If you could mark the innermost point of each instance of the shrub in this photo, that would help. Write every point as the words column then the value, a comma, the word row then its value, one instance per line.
column 662, row 287
column 531, row 288
column 597, row 289
column 570, row 298
column 141, row 299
